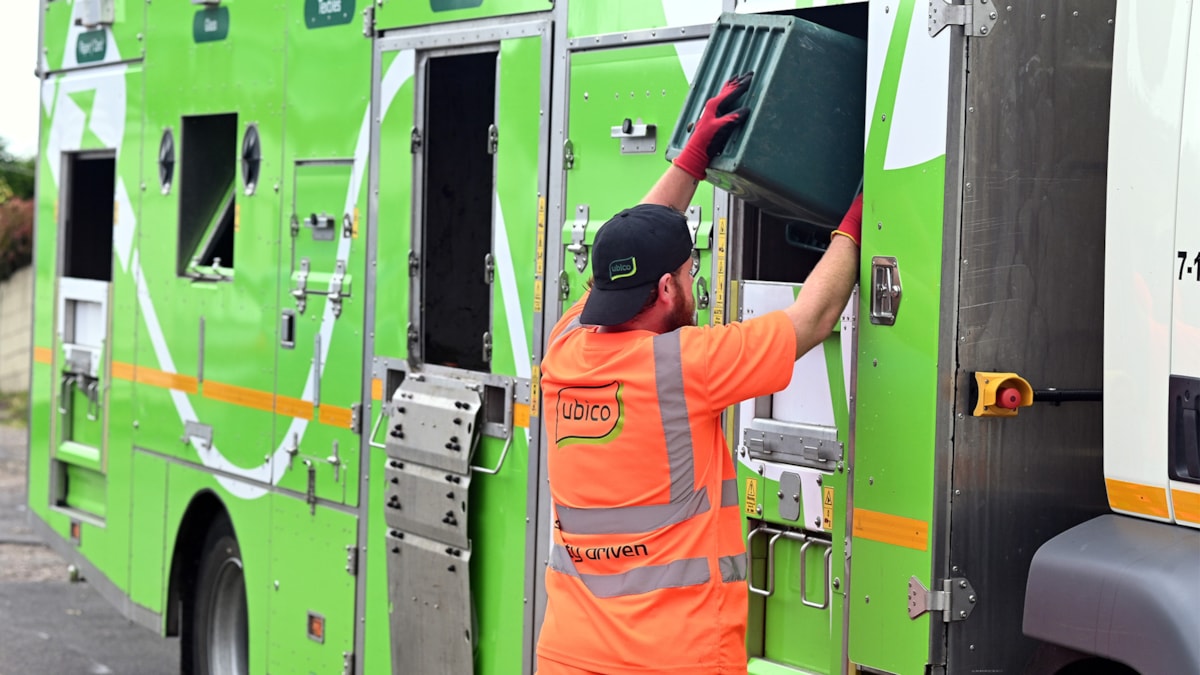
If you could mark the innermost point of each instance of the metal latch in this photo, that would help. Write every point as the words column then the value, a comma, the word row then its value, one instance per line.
column 702, row 297
column 568, row 154
column 885, row 290
column 301, row 288
column 336, row 461
column 975, row 16
column 347, row 226
column 335, row 288
column 564, row 285
column 955, row 601
column 311, row 496
column 578, row 244
column 636, row 138
column 321, row 225
column 493, row 139
column 369, row 20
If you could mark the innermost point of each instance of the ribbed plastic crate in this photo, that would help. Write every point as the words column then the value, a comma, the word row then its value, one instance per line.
column 800, row 153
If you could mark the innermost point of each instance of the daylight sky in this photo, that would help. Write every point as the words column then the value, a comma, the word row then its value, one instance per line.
column 18, row 84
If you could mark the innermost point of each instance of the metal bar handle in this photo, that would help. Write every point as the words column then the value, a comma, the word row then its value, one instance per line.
column 765, row 592
column 803, row 573
column 499, row 463
column 375, row 429
column 64, row 386
column 93, row 396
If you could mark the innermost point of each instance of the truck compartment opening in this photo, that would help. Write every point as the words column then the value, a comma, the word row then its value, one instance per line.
column 206, row 193
column 88, row 228
column 457, row 224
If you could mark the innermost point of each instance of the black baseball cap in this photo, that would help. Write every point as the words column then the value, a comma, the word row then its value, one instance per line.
column 629, row 255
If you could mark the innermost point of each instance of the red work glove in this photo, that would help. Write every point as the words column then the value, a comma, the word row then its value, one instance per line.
column 714, row 127
column 851, row 226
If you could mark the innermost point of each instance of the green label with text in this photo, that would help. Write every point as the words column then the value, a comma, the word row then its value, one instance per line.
column 448, row 5
column 91, row 46
column 211, row 24
column 322, row 13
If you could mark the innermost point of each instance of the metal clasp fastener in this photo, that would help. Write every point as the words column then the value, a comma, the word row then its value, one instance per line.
column 885, row 290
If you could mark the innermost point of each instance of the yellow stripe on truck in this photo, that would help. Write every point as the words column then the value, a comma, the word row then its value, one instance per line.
column 889, row 529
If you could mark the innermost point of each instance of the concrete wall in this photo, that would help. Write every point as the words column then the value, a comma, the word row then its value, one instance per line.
column 16, row 316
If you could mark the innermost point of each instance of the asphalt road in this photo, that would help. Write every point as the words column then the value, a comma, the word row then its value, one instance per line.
column 48, row 625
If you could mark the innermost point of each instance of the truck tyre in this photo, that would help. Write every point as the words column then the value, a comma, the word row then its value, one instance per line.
column 219, row 627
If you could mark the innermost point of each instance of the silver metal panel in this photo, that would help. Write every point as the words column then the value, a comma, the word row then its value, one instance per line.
column 1031, row 283
column 638, row 37
column 789, row 496
column 429, row 585
column 434, row 422
column 793, row 443
column 538, row 515
column 492, row 29
column 427, row 502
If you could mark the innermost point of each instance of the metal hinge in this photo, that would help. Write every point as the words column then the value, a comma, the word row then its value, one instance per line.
column 347, row 663
column 412, row 335
column 414, row 140
column 311, row 495
column 886, row 290
column 489, row 268
column 335, row 288
column 493, row 139
column 975, row 16
column 487, row 347
column 414, row 264
column 568, row 154
column 301, row 289
column 955, row 601
column 578, row 244
column 369, row 20
column 356, row 419
column 352, row 560
column 693, row 222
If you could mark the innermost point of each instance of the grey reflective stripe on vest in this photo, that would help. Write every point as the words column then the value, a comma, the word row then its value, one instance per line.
column 733, row 568
column 729, row 493
column 687, row 572
column 672, row 406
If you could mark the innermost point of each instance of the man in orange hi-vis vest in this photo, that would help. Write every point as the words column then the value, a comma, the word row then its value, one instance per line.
column 647, row 570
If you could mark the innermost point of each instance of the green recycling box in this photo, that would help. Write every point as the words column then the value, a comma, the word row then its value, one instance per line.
column 799, row 154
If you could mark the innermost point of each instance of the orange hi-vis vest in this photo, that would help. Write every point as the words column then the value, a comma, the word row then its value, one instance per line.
column 647, row 567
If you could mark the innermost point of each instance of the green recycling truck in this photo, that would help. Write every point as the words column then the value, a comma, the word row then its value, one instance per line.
column 296, row 263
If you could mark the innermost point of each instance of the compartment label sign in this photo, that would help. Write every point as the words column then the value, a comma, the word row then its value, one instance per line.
column 91, row 46
column 211, row 25
column 322, row 13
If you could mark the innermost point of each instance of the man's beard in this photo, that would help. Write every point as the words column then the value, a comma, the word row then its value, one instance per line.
column 684, row 312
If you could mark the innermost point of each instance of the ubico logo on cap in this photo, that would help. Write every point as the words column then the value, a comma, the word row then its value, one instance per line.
column 619, row 269
column 588, row 415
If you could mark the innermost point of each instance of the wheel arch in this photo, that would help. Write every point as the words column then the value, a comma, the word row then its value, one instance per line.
column 205, row 508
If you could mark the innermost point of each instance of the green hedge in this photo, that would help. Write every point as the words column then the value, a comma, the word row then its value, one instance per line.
column 16, row 235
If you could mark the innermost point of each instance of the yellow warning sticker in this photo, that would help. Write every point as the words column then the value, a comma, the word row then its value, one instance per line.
column 827, row 508
column 752, row 496
column 718, row 313
column 535, row 392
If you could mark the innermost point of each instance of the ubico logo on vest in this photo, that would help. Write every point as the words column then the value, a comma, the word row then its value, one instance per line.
column 588, row 414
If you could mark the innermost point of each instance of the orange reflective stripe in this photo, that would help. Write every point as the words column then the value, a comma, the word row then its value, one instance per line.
column 675, row 574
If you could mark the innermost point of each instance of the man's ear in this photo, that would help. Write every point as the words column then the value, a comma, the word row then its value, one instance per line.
column 665, row 287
